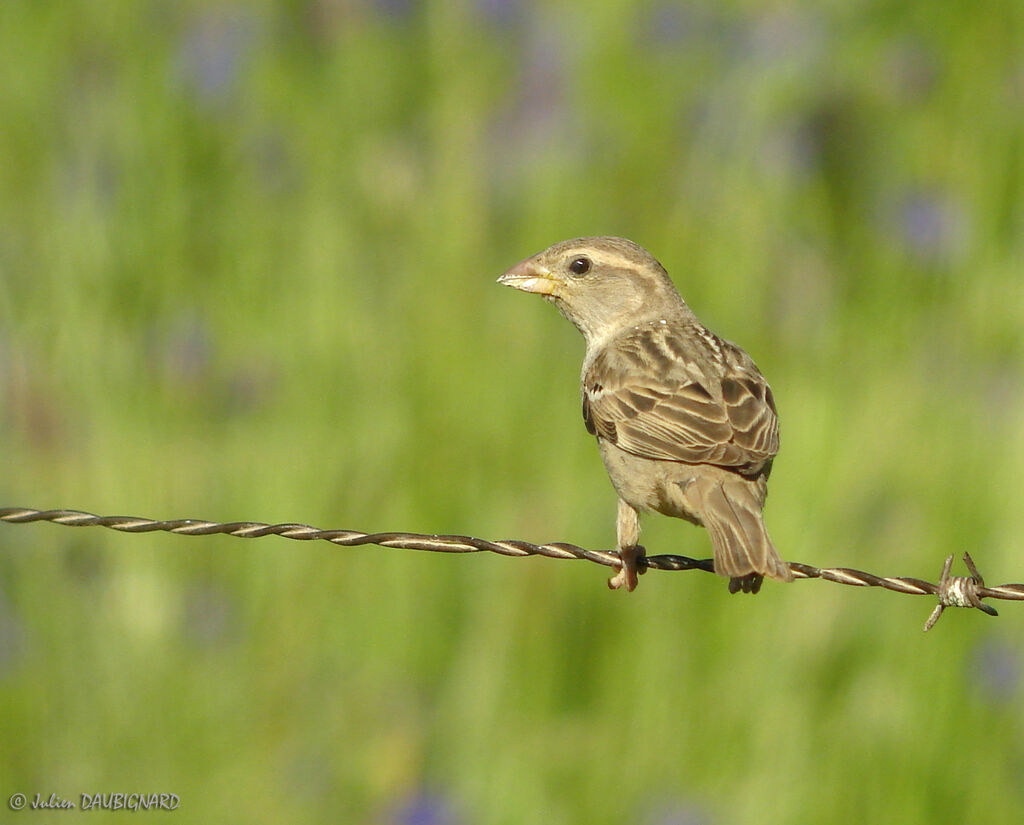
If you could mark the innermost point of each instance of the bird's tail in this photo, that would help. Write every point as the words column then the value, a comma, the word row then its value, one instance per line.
column 744, row 551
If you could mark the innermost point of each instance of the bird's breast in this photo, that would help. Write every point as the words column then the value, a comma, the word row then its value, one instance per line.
column 649, row 484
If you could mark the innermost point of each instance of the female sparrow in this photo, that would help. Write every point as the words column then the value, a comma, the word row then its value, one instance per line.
column 685, row 421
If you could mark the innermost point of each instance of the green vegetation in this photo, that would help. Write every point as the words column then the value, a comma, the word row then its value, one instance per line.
column 247, row 256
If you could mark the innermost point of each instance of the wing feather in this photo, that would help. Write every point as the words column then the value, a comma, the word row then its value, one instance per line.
column 681, row 394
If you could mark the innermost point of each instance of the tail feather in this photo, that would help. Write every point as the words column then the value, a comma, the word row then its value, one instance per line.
column 744, row 551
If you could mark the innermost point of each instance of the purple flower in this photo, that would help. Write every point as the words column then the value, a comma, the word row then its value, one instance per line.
column 213, row 53
column 994, row 669
column 536, row 120
column 677, row 812
column 672, row 25
column 932, row 227
column 426, row 808
column 503, row 13
column 396, row 9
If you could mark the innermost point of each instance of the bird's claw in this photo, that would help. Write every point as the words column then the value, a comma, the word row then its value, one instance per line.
column 632, row 567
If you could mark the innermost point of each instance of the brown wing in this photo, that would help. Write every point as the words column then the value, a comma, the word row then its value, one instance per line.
column 681, row 394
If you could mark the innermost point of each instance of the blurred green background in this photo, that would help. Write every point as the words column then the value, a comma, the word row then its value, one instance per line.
column 248, row 254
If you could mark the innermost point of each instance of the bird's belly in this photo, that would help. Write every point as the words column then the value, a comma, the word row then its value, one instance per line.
column 649, row 484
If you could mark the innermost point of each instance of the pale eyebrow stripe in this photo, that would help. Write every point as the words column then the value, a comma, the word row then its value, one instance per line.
column 608, row 257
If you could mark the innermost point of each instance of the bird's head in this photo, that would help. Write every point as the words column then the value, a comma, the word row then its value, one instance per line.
column 600, row 284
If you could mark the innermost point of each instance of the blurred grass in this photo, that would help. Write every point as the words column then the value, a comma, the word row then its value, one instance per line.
column 247, row 254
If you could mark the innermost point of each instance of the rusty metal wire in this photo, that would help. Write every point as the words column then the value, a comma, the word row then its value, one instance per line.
column 951, row 591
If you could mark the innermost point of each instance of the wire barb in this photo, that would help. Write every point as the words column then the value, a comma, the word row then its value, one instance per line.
column 959, row 591
column 952, row 591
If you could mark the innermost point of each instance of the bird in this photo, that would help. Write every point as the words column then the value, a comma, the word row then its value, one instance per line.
column 685, row 422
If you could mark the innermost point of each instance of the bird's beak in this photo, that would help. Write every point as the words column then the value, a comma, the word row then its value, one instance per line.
column 530, row 276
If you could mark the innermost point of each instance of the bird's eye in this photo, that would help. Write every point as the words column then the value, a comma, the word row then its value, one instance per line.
column 580, row 266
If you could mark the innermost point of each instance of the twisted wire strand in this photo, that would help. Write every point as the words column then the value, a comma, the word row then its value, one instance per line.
column 952, row 591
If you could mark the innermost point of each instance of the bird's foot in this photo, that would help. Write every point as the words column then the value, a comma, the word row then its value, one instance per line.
column 632, row 567
column 624, row 578
column 751, row 583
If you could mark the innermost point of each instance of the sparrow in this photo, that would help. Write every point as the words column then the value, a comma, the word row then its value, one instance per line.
column 685, row 422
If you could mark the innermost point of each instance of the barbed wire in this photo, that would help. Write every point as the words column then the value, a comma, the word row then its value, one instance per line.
column 951, row 591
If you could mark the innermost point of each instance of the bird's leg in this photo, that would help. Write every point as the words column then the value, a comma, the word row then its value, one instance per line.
column 627, row 529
